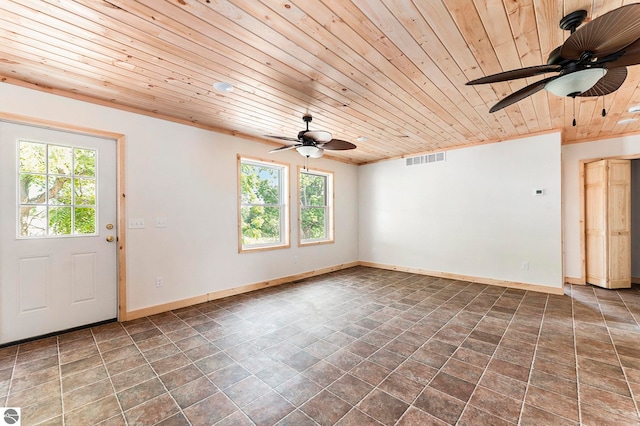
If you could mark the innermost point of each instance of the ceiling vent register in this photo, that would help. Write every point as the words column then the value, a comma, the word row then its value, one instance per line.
column 425, row 159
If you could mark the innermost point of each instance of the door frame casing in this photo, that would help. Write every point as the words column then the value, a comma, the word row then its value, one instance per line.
column 119, row 139
column 583, row 228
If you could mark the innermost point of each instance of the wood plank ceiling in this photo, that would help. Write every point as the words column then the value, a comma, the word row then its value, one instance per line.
column 393, row 71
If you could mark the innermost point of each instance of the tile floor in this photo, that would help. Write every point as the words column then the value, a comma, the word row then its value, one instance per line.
column 356, row 347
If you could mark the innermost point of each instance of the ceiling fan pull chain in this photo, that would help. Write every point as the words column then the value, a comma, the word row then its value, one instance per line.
column 604, row 111
column 574, row 112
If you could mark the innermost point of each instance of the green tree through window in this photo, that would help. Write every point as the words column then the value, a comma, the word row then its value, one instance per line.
column 263, row 209
column 57, row 190
column 315, row 206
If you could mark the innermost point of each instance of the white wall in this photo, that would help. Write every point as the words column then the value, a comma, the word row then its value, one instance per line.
column 188, row 175
column 474, row 214
column 571, row 156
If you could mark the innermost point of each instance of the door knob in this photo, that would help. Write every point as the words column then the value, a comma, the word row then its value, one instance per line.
column 110, row 238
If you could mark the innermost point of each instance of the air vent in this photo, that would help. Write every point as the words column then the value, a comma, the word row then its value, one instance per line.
column 425, row 159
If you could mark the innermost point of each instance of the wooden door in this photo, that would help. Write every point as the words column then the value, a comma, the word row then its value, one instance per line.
column 58, row 252
column 619, row 223
column 607, row 223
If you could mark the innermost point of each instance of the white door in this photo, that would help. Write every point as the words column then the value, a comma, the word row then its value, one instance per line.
column 58, row 222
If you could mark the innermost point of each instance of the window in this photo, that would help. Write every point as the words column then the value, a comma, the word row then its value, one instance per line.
column 57, row 190
column 316, row 206
column 264, row 195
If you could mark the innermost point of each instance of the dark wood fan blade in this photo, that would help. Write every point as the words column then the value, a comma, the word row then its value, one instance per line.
column 336, row 145
column 284, row 138
column 606, row 34
column 630, row 57
column 515, row 74
column 285, row 148
column 612, row 80
column 317, row 135
column 522, row 93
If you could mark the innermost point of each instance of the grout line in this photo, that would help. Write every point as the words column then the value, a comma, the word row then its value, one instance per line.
column 626, row 378
column 467, row 403
column 60, row 380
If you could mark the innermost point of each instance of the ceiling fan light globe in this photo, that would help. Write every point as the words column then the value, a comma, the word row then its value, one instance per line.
column 575, row 82
column 310, row 151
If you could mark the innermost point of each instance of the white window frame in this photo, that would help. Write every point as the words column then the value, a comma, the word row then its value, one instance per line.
column 329, row 207
column 283, row 205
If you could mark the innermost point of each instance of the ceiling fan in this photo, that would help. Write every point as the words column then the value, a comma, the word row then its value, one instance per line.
column 591, row 62
column 312, row 143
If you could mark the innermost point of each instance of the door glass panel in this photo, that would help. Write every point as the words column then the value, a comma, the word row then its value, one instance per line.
column 58, row 189
column 59, row 220
column 60, row 160
column 85, row 162
column 33, row 221
column 32, row 189
column 85, row 191
column 33, row 157
column 85, row 220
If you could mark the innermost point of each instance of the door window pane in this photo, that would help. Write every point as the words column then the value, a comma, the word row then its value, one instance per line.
column 57, row 190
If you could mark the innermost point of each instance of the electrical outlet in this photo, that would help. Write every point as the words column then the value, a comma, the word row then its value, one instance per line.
column 159, row 282
column 525, row 265
column 161, row 222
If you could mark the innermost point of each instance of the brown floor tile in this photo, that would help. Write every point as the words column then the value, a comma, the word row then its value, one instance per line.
column 416, row 417
column 416, row 371
column 474, row 416
column 552, row 402
column 87, row 394
column 140, row 393
column 295, row 418
column 356, row 417
column 504, row 385
column 268, row 409
column 132, row 377
column 325, row 408
column 44, row 409
column 383, row 407
column 103, row 409
column 210, row 410
column 607, row 401
column 440, row 405
column 193, row 392
column 368, row 342
column 463, row 371
column 152, row 411
column 593, row 415
column 370, row 372
column 509, row 369
column 453, row 386
column 496, row 404
column 276, row 374
column 350, row 388
column 298, row 390
column 554, row 383
column 401, row 387
column 228, row 376
column 344, row 360
column 534, row 416
column 300, row 360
